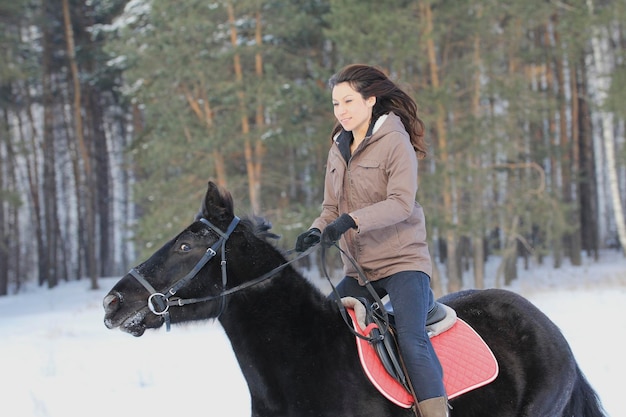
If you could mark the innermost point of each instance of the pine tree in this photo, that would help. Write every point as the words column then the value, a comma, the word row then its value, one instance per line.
column 221, row 89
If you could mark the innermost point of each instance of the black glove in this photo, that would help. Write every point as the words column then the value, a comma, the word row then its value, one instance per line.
column 338, row 227
column 307, row 239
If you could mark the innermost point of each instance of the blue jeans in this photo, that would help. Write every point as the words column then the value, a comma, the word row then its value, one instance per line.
column 411, row 297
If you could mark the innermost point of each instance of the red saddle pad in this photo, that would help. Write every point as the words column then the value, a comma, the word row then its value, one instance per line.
column 467, row 363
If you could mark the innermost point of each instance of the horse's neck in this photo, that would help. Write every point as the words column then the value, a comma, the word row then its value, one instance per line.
column 288, row 301
column 279, row 326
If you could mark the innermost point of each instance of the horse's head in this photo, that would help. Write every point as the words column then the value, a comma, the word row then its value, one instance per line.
column 189, row 266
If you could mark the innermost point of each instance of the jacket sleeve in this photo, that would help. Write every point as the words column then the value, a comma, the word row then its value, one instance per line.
column 401, row 189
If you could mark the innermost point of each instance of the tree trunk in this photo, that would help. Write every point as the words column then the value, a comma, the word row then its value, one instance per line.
column 453, row 272
column 49, row 186
column 253, row 152
column 477, row 241
column 602, row 83
column 4, row 206
column 570, row 241
column 106, row 251
column 259, row 146
column 553, row 145
column 574, row 177
column 589, row 212
column 23, row 142
column 100, row 148
column 508, row 264
column 204, row 114
column 87, row 183
column 79, row 238
column 599, row 175
column 33, row 170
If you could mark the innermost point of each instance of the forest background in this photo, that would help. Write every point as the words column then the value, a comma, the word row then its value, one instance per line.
column 114, row 114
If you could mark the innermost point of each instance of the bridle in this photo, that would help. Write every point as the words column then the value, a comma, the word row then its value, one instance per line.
column 159, row 302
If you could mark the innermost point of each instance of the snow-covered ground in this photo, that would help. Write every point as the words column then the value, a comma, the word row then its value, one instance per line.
column 58, row 360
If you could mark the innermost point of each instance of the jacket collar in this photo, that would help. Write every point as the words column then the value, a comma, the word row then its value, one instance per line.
column 344, row 138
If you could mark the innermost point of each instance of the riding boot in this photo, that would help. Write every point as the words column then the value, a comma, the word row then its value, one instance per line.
column 433, row 407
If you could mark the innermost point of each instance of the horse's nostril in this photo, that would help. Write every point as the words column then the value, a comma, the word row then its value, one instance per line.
column 111, row 303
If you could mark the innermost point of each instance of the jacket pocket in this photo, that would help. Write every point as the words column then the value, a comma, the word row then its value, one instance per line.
column 369, row 180
column 380, row 247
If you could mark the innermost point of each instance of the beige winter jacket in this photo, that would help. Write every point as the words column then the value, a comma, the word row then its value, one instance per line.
column 378, row 186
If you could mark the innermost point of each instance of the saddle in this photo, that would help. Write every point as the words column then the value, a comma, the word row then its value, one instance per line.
column 440, row 318
column 467, row 361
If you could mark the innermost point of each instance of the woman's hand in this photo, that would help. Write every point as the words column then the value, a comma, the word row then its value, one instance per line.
column 308, row 239
column 338, row 227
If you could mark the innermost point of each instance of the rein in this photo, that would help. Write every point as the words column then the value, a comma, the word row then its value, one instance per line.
column 378, row 303
column 159, row 303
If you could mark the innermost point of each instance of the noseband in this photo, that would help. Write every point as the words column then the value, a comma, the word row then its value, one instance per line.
column 159, row 303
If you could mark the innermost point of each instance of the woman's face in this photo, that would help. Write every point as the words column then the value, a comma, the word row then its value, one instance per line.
column 352, row 110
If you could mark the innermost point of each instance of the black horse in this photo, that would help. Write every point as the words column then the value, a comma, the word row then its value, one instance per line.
column 295, row 351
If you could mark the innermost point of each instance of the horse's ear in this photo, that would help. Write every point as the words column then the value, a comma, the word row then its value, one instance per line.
column 217, row 204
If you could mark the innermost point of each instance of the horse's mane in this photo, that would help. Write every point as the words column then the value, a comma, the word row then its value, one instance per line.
column 260, row 226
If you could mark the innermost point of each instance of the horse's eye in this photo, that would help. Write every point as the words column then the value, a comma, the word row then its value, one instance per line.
column 185, row 247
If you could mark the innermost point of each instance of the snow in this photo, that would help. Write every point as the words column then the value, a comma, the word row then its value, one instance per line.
column 59, row 360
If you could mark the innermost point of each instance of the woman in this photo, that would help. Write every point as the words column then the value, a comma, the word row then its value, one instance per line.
column 369, row 207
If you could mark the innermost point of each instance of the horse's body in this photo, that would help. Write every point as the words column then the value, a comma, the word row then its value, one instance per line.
column 298, row 357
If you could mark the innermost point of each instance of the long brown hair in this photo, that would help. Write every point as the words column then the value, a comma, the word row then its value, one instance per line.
column 372, row 82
